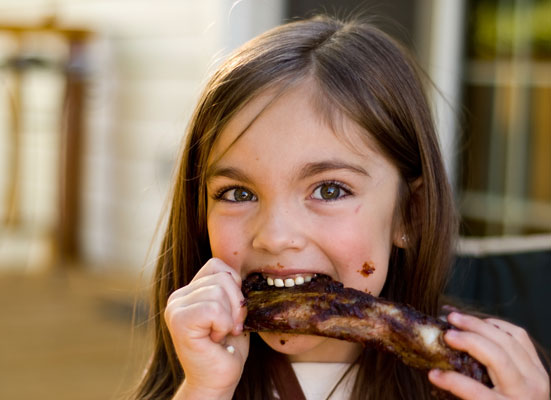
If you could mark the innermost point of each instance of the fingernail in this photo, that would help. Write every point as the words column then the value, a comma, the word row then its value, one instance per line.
column 454, row 317
column 435, row 373
column 451, row 334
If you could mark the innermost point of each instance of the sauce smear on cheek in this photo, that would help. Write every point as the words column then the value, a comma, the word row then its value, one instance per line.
column 367, row 269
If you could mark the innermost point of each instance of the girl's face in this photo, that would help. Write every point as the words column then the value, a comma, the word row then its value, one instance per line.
column 291, row 198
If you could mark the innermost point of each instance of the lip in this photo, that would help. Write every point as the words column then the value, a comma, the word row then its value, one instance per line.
column 281, row 272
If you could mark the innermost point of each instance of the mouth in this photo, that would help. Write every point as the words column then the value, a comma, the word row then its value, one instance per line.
column 264, row 280
column 287, row 281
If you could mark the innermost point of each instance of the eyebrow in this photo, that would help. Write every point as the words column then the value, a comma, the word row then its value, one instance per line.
column 315, row 168
column 215, row 171
column 309, row 170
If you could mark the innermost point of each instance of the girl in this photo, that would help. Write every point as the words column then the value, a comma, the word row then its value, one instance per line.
column 312, row 150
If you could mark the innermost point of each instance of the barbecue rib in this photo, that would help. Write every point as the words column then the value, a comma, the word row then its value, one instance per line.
column 324, row 307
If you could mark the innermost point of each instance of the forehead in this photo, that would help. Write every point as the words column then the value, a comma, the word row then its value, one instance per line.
column 301, row 107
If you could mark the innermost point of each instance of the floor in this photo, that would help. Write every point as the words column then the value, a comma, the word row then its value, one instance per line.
column 70, row 335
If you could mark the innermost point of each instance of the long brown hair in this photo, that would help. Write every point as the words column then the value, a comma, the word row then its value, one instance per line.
column 364, row 75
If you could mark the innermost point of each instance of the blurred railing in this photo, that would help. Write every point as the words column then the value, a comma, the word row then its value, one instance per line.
column 42, row 70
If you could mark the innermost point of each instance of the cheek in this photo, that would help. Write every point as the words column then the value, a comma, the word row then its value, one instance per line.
column 365, row 268
column 226, row 240
column 361, row 254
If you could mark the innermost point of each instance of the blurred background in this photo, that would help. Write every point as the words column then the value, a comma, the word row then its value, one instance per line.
column 94, row 99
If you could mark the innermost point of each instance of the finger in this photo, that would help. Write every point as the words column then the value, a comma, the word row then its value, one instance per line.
column 219, row 287
column 216, row 278
column 240, row 317
column 216, row 284
column 511, row 369
column 461, row 385
column 234, row 296
column 198, row 321
column 221, row 327
column 492, row 332
column 488, row 352
column 521, row 337
column 214, row 266
column 208, row 293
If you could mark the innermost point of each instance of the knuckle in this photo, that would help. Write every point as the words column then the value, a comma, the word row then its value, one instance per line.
column 216, row 264
column 217, row 292
column 212, row 262
column 531, row 392
column 542, row 388
column 500, row 358
column 169, row 311
column 521, row 334
column 240, row 315
column 173, row 296
column 227, row 284
column 225, row 277
column 216, row 309
column 535, row 389
column 173, row 317
column 212, row 266
column 166, row 316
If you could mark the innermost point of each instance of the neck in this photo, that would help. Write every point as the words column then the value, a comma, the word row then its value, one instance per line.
column 332, row 350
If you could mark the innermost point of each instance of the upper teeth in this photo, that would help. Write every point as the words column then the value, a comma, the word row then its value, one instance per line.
column 288, row 282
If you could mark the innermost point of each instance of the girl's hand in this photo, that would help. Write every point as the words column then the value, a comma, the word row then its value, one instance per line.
column 205, row 318
column 507, row 352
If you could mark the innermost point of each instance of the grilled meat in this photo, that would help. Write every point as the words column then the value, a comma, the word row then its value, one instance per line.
column 324, row 307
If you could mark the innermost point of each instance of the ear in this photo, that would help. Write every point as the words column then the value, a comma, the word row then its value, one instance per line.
column 401, row 237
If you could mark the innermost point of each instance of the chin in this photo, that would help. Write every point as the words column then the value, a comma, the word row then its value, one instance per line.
column 291, row 344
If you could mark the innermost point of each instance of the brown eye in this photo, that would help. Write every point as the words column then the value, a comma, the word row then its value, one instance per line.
column 241, row 194
column 236, row 195
column 329, row 191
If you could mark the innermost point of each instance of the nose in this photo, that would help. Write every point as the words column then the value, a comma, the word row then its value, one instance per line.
column 277, row 230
